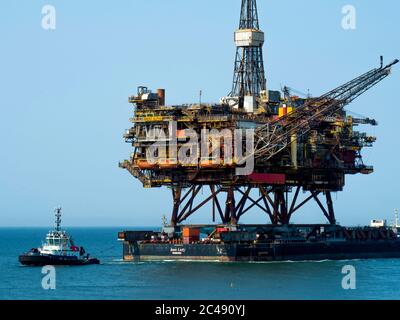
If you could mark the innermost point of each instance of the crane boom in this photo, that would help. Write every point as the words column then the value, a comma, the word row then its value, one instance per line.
column 275, row 136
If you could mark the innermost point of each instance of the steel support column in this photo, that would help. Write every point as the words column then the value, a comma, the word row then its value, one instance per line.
column 278, row 208
column 176, row 195
column 331, row 211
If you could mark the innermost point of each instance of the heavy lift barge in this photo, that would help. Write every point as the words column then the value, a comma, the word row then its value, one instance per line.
column 258, row 243
column 303, row 148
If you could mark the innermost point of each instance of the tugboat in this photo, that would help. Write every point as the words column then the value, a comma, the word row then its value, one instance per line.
column 58, row 249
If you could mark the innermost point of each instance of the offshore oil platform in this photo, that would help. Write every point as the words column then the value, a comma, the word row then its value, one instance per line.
column 259, row 149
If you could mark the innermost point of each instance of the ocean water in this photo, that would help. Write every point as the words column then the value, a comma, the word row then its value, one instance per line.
column 115, row 279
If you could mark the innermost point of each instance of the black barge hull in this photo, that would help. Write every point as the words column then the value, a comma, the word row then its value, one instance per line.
column 296, row 243
column 259, row 252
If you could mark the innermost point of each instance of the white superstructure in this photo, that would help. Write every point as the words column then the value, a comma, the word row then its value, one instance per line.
column 58, row 242
column 378, row 223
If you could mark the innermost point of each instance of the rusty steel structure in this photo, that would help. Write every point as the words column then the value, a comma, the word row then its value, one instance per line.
column 303, row 146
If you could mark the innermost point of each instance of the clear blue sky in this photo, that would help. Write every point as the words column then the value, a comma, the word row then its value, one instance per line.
column 64, row 96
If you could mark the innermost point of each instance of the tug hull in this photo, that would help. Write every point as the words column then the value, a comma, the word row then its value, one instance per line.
column 32, row 259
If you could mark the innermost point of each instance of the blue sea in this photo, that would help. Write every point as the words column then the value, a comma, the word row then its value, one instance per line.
column 115, row 279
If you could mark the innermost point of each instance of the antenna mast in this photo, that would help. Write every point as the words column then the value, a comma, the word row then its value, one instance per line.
column 58, row 218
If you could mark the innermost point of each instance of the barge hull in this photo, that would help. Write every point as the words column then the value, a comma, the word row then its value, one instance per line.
column 254, row 253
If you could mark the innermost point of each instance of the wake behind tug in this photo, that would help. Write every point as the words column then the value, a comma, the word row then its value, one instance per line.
column 58, row 249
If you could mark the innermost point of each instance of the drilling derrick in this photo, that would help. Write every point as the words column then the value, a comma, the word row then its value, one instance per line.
column 249, row 77
column 302, row 147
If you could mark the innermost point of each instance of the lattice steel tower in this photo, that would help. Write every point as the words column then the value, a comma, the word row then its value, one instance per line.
column 249, row 76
